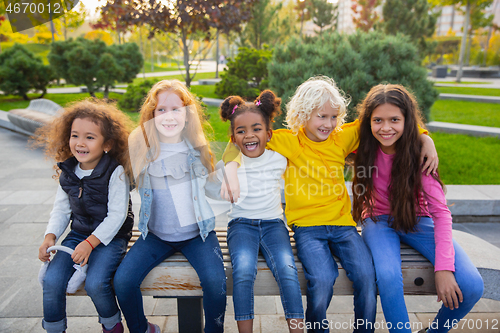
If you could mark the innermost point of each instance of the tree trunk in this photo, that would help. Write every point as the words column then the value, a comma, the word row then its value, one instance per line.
column 469, row 42
column 25, row 97
column 106, row 92
column 152, row 56
column 217, row 57
column 185, row 50
column 301, row 23
column 490, row 31
column 65, row 29
column 142, row 52
column 464, row 40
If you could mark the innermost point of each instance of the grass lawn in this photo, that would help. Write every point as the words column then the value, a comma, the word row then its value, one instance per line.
column 172, row 67
column 469, row 91
column 205, row 91
column 15, row 102
column 178, row 77
column 463, row 112
column 462, row 82
column 469, row 160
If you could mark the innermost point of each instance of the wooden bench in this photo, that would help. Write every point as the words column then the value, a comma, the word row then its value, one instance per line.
column 38, row 113
column 176, row 278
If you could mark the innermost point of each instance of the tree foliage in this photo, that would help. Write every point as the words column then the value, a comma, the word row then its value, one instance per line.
column 266, row 26
column 356, row 62
column 411, row 18
column 302, row 8
column 134, row 97
column 186, row 19
column 73, row 18
column 246, row 75
column 365, row 15
column 94, row 64
column 324, row 14
column 21, row 71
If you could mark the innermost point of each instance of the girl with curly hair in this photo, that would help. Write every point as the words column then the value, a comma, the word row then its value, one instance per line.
column 89, row 142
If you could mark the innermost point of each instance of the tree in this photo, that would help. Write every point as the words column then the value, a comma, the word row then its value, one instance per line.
column 21, row 71
column 186, row 19
column 249, row 66
column 467, row 4
column 267, row 26
column 73, row 18
column 302, row 8
column 478, row 19
column 112, row 18
column 357, row 62
column 94, row 64
column 323, row 14
column 412, row 18
column 366, row 16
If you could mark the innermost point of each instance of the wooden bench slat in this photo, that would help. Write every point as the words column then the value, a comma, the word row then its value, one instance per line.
column 175, row 277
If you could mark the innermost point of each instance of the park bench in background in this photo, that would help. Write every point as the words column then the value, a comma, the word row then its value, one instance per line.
column 38, row 113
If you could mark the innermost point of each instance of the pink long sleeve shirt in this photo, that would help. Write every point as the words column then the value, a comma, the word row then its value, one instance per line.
column 432, row 205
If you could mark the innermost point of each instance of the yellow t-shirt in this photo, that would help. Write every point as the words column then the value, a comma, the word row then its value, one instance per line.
column 315, row 190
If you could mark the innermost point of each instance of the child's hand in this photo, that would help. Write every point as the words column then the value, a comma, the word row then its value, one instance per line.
column 230, row 189
column 82, row 253
column 448, row 290
column 428, row 151
column 50, row 240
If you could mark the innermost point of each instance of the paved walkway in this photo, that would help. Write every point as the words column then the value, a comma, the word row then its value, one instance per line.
column 27, row 193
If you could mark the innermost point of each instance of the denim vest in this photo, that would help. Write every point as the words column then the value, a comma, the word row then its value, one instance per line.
column 200, row 185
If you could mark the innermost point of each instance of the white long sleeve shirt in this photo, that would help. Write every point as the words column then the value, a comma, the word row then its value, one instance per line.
column 118, row 198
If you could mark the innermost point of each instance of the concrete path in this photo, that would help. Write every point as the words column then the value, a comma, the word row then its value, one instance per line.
column 473, row 130
column 27, row 193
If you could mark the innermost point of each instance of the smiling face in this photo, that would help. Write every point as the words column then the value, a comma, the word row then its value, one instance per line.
column 170, row 117
column 388, row 123
column 250, row 134
column 322, row 123
column 87, row 143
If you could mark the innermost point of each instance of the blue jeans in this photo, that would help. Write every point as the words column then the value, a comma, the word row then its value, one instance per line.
column 146, row 254
column 315, row 248
column 103, row 262
column 244, row 238
column 384, row 243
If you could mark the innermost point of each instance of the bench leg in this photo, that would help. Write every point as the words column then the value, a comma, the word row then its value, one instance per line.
column 190, row 314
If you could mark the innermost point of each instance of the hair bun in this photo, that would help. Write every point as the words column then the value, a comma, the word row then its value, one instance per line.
column 227, row 107
column 269, row 103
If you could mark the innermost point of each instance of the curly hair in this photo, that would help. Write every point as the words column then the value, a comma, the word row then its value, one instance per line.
column 311, row 96
column 115, row 128
column 144, row 140
column 406, row 185
column 267, row 105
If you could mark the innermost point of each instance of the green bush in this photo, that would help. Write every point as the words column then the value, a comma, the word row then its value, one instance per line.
column 246, row 75
column 21, row 71
column 356, row 62
column 94, row 64
column 134, row 97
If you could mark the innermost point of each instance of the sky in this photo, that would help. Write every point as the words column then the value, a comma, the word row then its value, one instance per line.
column 91, row 5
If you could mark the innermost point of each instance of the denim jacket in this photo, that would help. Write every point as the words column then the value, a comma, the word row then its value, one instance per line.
column 201, row 185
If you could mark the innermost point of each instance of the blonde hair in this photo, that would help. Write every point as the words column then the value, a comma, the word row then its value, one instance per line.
column 144, row 141
column 311, row 96
column 115, row 128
